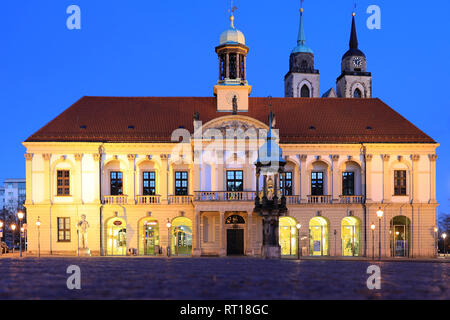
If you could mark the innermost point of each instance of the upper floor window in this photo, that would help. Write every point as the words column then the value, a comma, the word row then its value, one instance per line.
column 63, row 229
column 288, row 187
column 304, row 93
column 317, row 183
column 181, row 183
column 116, row 182
column 400, row 182
column 63, row 182
column 235, row 180
column 149, row 183
column 348, row 183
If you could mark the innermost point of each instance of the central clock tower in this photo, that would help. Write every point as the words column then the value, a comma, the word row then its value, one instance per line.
column 232, row 89
column 354, row 81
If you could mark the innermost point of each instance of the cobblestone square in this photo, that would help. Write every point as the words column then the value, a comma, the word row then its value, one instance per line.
column 219, row 278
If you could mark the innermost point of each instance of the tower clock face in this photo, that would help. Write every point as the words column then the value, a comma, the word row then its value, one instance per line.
column 357, row 62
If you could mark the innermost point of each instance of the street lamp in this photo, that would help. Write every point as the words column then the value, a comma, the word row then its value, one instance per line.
column 1, row 236
column 372, row 226
column 444, row 236
column 38, row 225
column 436, row 240
column 168, row 225
column 13, row 228
column 298, row 240
column 379, row 215
column 20, row 216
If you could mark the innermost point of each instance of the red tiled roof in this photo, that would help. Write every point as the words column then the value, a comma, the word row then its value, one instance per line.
column 107, row 119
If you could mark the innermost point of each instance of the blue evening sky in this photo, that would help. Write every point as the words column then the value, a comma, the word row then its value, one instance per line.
column 166, row 48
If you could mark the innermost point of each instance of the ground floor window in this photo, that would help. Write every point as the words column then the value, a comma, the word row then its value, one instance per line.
column 116, row 233
column 63, row 229
column 288, row 236
column 318, row 235
column 149, row 237
column 181, row 242
column 350, row 237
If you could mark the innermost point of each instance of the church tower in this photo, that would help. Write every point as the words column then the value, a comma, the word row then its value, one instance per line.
column 302, row 80
column 354, row 81
column 232, row 89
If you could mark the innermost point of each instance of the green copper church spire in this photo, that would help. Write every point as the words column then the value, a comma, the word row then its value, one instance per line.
column 301, row 39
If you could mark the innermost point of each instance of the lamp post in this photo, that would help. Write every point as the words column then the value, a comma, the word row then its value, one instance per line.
column 20, row 216
column 444, row 236
column 168, row 225
column 436, row 240
column 1, row 236
column 38, row 225
column 298, row 240
column 372, row 226
column 13, row 228
column 379, row 215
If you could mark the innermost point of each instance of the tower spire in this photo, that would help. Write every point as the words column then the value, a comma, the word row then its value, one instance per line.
column 301, row 40
column 353, row 37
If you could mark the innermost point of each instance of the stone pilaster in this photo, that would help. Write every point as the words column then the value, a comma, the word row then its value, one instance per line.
column 197, row 251
column 369, row 158
column 222, row 249
column 249, row 248
column 433, row 158
column 335, row 190
column 96, row 158
column 164, row 178
column 415, row 178
column 303, row 178
column 131, row 181
column 78, row 181
column 47, row 178
column 29, row 178
column 386, row 179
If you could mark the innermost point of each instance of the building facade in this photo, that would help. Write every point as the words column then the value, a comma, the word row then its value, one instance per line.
column 153, row 173
column 13, row 194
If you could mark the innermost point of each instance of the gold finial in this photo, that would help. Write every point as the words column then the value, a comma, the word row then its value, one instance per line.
column 353, row 14
column 232, row 21
column 301, row 6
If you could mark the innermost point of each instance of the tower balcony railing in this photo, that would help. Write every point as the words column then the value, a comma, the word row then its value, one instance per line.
column 320, row 199
column 351, row 199
column 154, row 199
column 174, row 199
column 224, row 196
column 121, row 199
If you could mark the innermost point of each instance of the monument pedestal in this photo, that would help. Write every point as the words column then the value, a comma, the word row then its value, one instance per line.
column 271, row 252
column 84, row 252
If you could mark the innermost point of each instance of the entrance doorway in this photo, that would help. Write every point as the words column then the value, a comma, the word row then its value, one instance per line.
column 235, row 242
column 116, row 244
column 400, row 236
column 149, row 237
column 181, row 236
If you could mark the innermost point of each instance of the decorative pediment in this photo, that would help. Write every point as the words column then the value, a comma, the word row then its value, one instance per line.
column 248, row 126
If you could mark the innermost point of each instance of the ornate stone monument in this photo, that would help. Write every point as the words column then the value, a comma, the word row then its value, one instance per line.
column 83, row 227
column 270, row 204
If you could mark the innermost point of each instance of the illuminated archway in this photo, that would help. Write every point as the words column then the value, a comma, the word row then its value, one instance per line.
column 400, row 233
column 318, row 235
column 148, row 237
column 181, row 242
column 288, row 236
column 116, row 237
column 350, row 230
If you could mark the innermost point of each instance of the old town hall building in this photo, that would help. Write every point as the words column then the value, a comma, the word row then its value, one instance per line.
column 109, row 175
